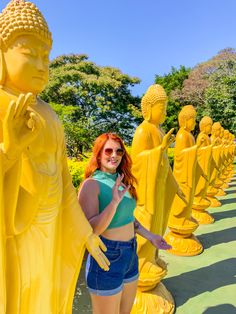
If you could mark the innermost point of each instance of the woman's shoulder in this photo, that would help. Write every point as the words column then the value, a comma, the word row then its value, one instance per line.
column 90, row 185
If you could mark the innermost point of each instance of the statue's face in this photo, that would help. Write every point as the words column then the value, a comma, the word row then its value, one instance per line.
column 158, row 114
column 190, row 124
column 208, row 128
column 27, row 60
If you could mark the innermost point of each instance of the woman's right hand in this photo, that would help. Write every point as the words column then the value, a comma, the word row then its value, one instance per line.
column 117, row 195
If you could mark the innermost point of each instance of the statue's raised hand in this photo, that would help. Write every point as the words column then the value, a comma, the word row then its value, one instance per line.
column 168, row 139
column 21, row 125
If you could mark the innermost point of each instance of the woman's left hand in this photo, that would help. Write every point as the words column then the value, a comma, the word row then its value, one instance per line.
column 159, row 242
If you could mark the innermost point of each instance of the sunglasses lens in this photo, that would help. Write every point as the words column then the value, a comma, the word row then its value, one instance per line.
column 108, row 151
column 120, row 152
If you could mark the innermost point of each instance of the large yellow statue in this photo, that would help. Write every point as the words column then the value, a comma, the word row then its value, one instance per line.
column 45, row 231
column 156, row 187
column 204, row 156
column 187, row 172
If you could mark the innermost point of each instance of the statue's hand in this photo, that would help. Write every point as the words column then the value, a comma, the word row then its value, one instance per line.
column 168, row 139
column 95, row 246
column 181, row 195
column 200, row 142
column 21, row 125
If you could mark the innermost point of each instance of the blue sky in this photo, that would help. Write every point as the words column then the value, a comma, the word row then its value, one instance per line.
column 141, row 38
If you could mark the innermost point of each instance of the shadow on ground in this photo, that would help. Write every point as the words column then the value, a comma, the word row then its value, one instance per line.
column 227, row 201
column 217, row 237
column 220, row 309
column 202, row 280
column 224, row 214
column 230, row 192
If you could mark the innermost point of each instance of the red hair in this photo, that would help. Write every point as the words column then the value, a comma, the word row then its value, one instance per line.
column 124, row 166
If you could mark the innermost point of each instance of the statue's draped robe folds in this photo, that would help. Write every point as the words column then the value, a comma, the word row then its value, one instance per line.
column 204, row 156
column 2, row 243
column 185, row 164
column 156, row 186
column 46, row 229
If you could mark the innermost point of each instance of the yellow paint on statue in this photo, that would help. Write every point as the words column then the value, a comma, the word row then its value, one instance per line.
column 215, row 182
column 204, row 156
column 187, row 172
column 45, row 231
column 156, row 187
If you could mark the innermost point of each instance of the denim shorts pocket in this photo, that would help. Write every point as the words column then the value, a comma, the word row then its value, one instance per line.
column 113, row 255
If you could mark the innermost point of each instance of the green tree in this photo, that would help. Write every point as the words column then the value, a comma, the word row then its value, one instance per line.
column 211, row 88
column 98, row 100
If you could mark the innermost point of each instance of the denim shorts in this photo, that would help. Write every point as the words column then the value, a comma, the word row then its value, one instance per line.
column 123, row 268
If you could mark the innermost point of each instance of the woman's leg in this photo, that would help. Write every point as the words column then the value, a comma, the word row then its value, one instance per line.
column 128, row 296
column 106, row 304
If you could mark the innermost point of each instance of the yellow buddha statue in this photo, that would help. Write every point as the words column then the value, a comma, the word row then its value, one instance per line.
column 187, row 172
column 43, row 230
column 215, row 182
column 204, row 156
column 156, row 188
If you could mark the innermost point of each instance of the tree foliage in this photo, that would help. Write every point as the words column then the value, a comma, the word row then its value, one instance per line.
column 90, row 100
column 211, row 88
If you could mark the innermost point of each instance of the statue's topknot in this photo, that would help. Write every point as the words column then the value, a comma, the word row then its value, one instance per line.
column 21, row 17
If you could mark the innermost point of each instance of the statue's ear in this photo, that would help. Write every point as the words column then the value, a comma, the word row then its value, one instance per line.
column 2, row 64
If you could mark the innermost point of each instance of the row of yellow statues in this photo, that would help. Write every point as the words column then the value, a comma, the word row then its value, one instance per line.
column 43, row 232
column 177, row 199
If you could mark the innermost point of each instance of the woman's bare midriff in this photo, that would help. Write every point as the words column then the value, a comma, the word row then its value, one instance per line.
column 124, row 233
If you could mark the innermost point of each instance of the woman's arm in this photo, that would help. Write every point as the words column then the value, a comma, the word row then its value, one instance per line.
column 155, row 239
column 88, row 199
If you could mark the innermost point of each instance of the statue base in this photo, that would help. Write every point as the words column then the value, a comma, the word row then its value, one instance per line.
column 158, row 301
column 220, row 192
column 202, row 217
column 183, row 245
column 214, row 201
column 201, row 204
column 225, row 186
column 151, row 274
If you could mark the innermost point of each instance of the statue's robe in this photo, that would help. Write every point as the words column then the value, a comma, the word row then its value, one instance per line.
column 156, row 185
column 187, row 172
column 204, row 157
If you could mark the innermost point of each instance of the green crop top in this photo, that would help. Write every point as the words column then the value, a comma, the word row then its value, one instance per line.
column 125, row 210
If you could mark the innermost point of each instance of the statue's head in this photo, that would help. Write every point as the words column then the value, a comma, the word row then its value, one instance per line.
column 153, row 104
column 25, row 44
column 187, row 117
column 216, row 128
column 206, row 124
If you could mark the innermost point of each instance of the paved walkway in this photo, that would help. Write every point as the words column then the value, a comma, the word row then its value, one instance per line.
column 207, row 283
column 201, row 284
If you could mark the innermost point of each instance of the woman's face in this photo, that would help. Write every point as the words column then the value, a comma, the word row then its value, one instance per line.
column 111, row 156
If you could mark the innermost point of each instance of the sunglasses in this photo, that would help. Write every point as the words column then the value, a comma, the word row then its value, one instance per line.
column 109, row 151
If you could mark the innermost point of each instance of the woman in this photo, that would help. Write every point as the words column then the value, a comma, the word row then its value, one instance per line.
column 108, row 198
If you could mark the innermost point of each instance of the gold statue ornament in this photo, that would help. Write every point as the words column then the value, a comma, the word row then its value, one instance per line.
column 43, row 231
